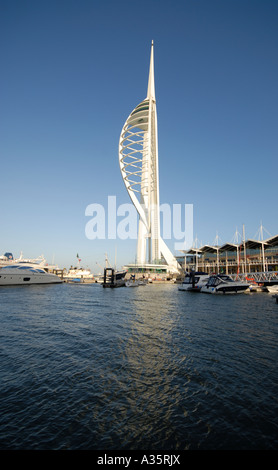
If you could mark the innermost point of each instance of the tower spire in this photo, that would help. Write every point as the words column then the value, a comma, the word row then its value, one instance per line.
column 151, row 88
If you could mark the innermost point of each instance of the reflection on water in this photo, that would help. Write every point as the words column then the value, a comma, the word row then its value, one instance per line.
column 147, row 353
column 143, row 368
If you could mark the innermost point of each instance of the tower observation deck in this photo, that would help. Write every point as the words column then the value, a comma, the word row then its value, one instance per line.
column 138, row 158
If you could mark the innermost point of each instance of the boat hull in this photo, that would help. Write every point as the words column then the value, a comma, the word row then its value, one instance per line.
column 224, row 284
column 190, row 288
column 131, row 284
column 225, row 289
column 194, row 282
column 19, row 275
column 20, row 280
column 273, row 289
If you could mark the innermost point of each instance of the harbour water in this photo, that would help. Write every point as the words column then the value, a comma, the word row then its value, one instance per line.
column 151, row 367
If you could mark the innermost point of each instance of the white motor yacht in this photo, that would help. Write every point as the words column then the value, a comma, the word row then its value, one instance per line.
column 25, row 275
column 79, row 274
column 273, row 289
column 223, row 284
column 8, row 260
column 194, row 281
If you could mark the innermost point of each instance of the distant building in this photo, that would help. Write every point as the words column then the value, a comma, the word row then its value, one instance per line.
column 246, row 257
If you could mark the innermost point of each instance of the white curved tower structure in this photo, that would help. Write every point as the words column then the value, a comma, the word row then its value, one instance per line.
column 138, row 157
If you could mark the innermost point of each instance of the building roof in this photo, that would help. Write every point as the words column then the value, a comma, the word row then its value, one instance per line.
column 249, row 245
column 209, row 249
column 272, row 241
column 229, row 247
column 253, row 244
column 192, row 251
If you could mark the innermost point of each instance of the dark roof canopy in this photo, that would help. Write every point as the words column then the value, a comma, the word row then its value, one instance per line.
column 209, row 249
column 192, row 251
column 229, row 247
column 272, row 241
column 249, row 245
column 253, row 244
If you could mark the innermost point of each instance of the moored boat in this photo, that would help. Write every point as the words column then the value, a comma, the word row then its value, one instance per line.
column 113, row 278
column 132, row 283
column 26, row 275
column 8, row 260
column 256, row 287
column 79, row 274
column 224, row 284
column 273, row 289
column 194, row 281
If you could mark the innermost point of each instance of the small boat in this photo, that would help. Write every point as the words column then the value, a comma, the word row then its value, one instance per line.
column 142, row 282
column 255, row 287
column 223, row 284
column 26, row 275
column 78, row 280
column 273, row 289
column 132, row 282
column 194, row 281
column 275, row 297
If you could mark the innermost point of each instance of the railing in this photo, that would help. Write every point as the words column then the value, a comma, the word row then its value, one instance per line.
column 233, row 266
column 257, row 277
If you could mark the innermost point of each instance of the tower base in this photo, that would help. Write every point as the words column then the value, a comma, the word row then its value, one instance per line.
column 151, row 269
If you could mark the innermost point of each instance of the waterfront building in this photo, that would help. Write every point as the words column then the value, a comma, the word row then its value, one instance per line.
column 249, row 256
column 138, row 158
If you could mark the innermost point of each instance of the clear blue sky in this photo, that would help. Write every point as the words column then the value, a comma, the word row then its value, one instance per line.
column 72, row 71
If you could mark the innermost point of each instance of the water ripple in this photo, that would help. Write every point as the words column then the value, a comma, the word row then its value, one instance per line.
column 147, row 368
